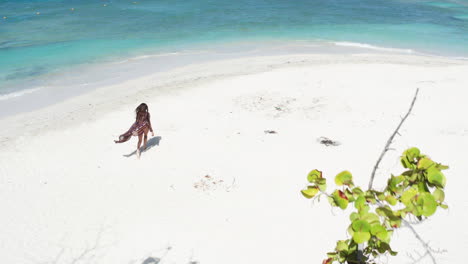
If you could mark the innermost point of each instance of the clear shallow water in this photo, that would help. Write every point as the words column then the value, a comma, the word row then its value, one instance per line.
column 43, row 38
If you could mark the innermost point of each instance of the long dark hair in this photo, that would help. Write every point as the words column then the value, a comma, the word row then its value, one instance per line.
column 141, row 108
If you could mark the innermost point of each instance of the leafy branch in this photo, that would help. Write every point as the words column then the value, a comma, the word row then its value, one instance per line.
column 416, row 192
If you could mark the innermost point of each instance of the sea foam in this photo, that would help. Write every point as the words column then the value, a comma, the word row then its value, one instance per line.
column 372, row 47
column 18, row 93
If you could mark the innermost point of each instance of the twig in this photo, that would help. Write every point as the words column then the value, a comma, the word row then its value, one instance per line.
column 416, row 260
column 390, row 140
column 88, row 249
column 59, row 255
column 425, row 244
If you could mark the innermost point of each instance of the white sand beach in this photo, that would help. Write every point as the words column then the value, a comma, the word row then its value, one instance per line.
column 213, row 187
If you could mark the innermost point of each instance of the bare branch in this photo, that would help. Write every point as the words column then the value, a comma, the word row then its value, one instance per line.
column 427, row 248
column 390, row 140
column 418, row 259
column 59, row 255
column 88, row 250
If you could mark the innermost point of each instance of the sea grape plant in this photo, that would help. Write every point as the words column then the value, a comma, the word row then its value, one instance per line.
column 418, row 192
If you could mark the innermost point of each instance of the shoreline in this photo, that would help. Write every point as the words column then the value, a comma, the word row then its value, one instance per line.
column 83, row 193
column 76, row 80
column 101, row 99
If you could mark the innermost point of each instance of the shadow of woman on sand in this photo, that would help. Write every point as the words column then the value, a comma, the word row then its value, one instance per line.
column 154, row 141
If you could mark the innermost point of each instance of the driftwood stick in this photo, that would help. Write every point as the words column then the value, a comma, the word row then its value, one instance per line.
column 390, row 140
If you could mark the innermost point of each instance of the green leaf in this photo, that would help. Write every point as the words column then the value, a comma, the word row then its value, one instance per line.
column 391, row 199
column 422, row 186
column 380, row 195
column 409, row 195
column 439, row 195
column 370, row 197
column 427, row 203
column 321, row 181
column 310, row 192
column 386, row 211
column 361, row 226
column 413, row 176
column 322, row 187
column 425, row 163
column 341, row 245
column 384, row 247
column 314, row 175
column 394, row 181
column 436, row 177
column 395, row 223
column 408, row 157
column 350, row 195
column 350, row 230
column 379, row 231
column 360, row 202
column 344, row 178
column 361, row 237
column 342, row 257
column 412, row 153
column 402, row 213
column 390, row 233
column 370, row 218
column 363, row 210
column 405, row 162
column 444, row 206
column 357, row 191
column 353, row 216
column 415, row 209
column 441, row 167
column 340, row 199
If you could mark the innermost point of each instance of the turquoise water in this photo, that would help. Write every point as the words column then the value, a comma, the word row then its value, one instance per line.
column 43, row 37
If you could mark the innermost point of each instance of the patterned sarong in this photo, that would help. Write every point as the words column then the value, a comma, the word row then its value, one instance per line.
column 137, row 128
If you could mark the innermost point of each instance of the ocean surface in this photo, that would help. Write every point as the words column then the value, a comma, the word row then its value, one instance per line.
column 43, row 43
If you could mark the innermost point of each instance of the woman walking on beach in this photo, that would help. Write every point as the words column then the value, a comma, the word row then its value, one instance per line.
column 140, row 128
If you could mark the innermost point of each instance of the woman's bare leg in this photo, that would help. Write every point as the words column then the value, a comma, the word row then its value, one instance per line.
column 145, row 139
column 139, row 144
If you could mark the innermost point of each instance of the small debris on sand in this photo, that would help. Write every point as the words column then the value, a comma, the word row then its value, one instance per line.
column 209, row 183
column 270, row 132
column 328, row 142
column 151, row 260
